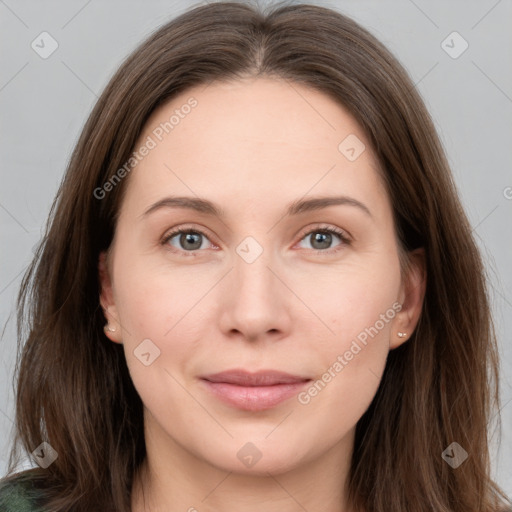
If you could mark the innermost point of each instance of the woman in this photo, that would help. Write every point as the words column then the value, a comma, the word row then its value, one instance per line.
column 325, row 343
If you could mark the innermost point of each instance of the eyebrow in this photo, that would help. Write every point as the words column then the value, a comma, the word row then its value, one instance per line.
column 294, row 208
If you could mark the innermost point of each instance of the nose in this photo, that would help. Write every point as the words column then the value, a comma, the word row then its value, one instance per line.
column 255, row 302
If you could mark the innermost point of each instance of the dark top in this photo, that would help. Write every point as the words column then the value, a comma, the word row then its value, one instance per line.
column 19, row 495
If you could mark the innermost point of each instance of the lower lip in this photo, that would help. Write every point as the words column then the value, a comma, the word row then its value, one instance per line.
column 254, row 398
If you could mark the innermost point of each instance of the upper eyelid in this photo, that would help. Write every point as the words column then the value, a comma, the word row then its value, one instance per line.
column 338, row 231
column 186, row 228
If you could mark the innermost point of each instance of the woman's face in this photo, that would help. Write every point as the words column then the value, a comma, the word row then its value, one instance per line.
column 257, row 284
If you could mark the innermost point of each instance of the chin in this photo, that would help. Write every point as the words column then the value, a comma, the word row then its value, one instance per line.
column 256, row 458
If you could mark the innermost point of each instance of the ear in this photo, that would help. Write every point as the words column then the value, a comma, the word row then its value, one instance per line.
column 107, row 301
column 412, row 294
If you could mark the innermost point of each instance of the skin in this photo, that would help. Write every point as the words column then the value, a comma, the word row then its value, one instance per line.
column 252, row 147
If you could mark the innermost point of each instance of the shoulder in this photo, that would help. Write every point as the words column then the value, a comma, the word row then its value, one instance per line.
column 18, row 494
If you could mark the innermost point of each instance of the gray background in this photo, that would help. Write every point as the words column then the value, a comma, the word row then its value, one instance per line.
column 44, row 103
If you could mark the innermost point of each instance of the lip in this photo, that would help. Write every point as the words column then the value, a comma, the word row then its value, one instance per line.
column 254, row 391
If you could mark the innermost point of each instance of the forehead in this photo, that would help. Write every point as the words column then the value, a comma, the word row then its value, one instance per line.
column 253, row 139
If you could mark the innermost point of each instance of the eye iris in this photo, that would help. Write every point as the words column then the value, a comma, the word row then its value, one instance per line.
column 325, row 240
column 193, row 238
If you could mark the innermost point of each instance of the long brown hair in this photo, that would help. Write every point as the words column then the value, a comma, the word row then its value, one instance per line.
column 73, row 386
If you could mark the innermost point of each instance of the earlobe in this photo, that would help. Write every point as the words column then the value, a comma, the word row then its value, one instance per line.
column 413, row 294
column 112, row 327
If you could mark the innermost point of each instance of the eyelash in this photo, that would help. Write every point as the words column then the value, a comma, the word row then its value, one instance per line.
column 327, row 229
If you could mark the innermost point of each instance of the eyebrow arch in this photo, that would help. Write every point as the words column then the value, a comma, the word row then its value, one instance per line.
column 316, row 203
column 295, row 208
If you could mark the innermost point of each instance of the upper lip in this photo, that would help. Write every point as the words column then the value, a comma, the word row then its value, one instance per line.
column 260, row 378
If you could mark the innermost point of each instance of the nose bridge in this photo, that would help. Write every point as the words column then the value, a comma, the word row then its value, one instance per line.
column 251, row 272
column 254, row 303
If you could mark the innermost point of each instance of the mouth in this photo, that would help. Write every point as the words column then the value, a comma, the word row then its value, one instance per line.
column 254, row 391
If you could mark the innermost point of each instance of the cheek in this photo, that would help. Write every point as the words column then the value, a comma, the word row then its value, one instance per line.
column 150, row 302
column 359, row 308
column 160, row 314
column 352, row 362
column 358, row 299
